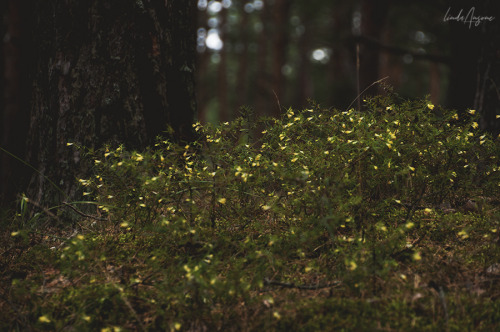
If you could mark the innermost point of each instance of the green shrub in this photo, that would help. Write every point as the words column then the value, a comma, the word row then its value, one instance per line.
column 206, row 235
column 315, row 182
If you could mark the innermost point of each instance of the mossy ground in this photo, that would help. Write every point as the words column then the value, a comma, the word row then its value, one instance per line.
column 383, row 220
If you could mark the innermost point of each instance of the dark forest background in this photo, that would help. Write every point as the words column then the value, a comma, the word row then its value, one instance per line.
column 284, row 52
column 265, row 54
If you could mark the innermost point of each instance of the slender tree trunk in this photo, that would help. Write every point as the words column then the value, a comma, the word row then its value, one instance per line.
column 203, row 61
column 435, row 84
column 222, row 86
column 242, row 82
column 263, row 98
column 304, row 81
column 373, row 15
column 341, row 69
column 108, row 71
column 390, row 64
column 281, row 11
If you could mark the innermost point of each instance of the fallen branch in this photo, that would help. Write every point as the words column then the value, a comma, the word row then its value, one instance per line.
column 81, row 213
column 269, row 282
column 43, row 208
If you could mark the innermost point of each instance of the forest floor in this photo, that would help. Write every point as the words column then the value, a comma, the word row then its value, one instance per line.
column 124, row 282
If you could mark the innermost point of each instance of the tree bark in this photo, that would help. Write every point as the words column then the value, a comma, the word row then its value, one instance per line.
column 107, row 71
column 14, row 97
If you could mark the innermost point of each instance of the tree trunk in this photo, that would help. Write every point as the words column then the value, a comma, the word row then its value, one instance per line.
column 222, row 84
column 373, row 16
column 465, row 43
column 435, row 83
column 487, row 98
column 203, row 92
column 263, row 99
column 304, row 82
column 14, row 97
column 281, row 10
column 242, row 82
column 340, row 68
column 475, row 61
column 107, row 71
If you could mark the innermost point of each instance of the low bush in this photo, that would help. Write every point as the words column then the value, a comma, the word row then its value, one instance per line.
column 381, row 219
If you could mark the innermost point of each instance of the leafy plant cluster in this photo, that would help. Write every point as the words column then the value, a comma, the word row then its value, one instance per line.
column 241, row 232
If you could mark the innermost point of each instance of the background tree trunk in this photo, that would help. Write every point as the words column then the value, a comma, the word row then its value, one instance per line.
column 304, row 89
column 465, row 46
column 475, row 63
column 340, row 68
column 373, row 16
column 107, row 71
column 203, row 92
column 487, row 98
column 263, row 94
column 242, row 82
column 281, row 11
column 222, row 83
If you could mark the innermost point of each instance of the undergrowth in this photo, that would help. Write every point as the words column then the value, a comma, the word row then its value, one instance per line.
column 386, row 219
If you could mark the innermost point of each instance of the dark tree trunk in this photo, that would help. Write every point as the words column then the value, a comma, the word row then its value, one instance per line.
column 475, row 61
column 14, row 97
column 487, row 98
column 222, row 84
column 465, row 45
column 242, row 83
column 435, row 83
column 304, row 81
column 281, row 10
column 203, row 92
column 107, row 71
column 340, row 67
column 263, row 91
column 373, row 16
